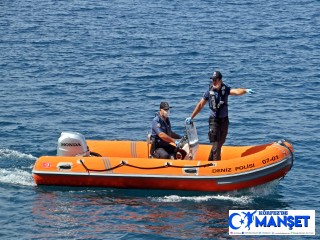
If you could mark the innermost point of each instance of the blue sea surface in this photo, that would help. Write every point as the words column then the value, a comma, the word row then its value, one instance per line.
column 101, row 68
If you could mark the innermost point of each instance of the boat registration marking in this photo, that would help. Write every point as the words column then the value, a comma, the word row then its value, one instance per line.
column 271, row 159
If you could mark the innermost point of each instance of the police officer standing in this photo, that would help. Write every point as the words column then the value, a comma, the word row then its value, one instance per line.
column 162, row 135
column 217, row 95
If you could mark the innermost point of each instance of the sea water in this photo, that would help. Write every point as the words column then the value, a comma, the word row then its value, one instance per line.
column 101, row 68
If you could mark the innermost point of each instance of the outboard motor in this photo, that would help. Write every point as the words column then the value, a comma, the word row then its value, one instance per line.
column 72, row 144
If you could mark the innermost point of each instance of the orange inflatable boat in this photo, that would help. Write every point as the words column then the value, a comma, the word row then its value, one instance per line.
column 127, row 164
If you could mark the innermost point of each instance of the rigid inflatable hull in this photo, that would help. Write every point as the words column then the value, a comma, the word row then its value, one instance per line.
column 240, row 167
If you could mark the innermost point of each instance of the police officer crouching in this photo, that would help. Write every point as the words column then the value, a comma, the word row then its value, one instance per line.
column 162, row 135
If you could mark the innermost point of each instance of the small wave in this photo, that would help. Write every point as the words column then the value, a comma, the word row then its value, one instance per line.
column 176, row 198
column 244, row 196
column 16, row 176
column 7, row 153
column 264, row 190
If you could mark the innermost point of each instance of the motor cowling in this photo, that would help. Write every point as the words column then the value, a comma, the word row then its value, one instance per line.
column 72, row 144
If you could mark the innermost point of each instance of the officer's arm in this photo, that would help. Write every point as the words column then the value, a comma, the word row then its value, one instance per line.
column 166, row 137
column 175, row 135
column 198, row 108
column 238, row 91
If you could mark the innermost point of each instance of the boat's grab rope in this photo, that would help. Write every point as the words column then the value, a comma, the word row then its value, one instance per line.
column 124, row 163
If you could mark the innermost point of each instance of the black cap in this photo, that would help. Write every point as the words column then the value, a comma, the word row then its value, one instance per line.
column 216, row 75
column 164, row 105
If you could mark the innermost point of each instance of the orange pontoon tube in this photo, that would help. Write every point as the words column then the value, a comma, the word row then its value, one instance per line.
column 126, row 164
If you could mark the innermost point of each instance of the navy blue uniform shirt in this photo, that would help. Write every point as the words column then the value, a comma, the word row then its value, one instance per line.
column 158, row 126
column 223, row 112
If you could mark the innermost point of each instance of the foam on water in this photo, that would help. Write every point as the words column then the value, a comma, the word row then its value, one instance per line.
column 242, row 197
column 263, row 190
column 12, row 154
column 16, row 176
column 16, row 167
column 176, row 198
